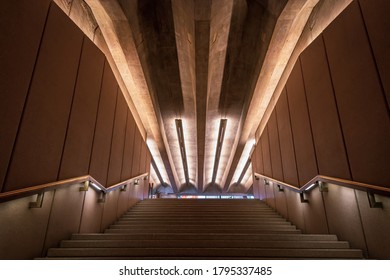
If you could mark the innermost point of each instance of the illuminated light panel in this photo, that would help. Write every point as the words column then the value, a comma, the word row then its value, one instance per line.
column 221, row 135
column 180, row 136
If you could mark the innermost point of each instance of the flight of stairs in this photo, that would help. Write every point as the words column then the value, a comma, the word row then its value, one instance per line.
column 203, row 229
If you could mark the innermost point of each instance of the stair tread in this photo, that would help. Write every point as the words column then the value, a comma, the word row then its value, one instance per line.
column 202, row 229
column 248, row 252
column 201, row 244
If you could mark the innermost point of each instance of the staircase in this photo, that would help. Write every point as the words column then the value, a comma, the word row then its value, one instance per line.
column 203, row 229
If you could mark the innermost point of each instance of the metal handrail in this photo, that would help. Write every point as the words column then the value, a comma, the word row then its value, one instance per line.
column 318, row 181
column 86, row 179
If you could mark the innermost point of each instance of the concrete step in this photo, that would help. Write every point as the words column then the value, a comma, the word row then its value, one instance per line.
column 202, row 219
column 201, row 214
column 201, row 227
column 199, row 230
column 207, row 236
column 206, row 252
column 195, row 222
column 202, row 244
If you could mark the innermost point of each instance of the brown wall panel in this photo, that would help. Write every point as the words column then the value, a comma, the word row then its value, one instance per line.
column 261, row 186
column 259, row 158
column 22, row 230
column 104, row 126
column 136, row 154
column 286, row 141
column 254, row 160
column 256, row 190
column 118, row 141
column 276, row 160
column 343, row 215
column 314, row 213
column 129, row 147
column 143, row 158
column 38, row 149
column 270, row 195
column 81, row 129
column 300, row 124
column 148, row 160
column 136, row 194
column 65, row 215
column 377, row 21
column 92, row 213
column 280, row 202
column 376, row 225
column 17, row 65
column 110, row 209
column 363, row 112
column 123, row 200
column 264, row 139
column 328, row 139
column 295, row 209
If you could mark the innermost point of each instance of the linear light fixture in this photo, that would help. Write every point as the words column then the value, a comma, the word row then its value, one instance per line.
column 221, row 135
column 180, row 136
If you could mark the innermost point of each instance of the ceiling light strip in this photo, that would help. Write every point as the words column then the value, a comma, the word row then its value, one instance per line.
column 221, row 135
column 180, row 136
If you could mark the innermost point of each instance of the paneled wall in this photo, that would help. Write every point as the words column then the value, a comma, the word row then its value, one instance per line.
column 62, row 112
column 62, row 116
column 28, row 233
column 333, row 119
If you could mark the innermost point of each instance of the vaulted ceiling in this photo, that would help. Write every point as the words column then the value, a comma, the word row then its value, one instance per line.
column 200, row 76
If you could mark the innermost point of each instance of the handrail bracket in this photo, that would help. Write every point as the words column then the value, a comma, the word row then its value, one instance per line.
column 85, row 187
column 102, row 198
column 38, row 203
column 124, row 188
column 302, row 197
column 322, row 186
column 372, row 200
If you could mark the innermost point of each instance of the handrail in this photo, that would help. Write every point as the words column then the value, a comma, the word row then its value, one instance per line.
column 333, row 180
column 38, row 189
column 319, row 179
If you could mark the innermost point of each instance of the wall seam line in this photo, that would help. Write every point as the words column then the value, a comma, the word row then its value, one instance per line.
column 4, row 183
column 361, row 222
column 295, row 157
column 337, row 108
column 386, row 101
column 281, row 158
column 308, row 115
column 70, row 110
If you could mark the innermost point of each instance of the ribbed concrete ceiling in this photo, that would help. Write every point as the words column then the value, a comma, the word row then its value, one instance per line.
column 198, row 61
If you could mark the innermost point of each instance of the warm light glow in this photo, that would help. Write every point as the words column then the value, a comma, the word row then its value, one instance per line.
column 157, row 159
column 244, row 158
